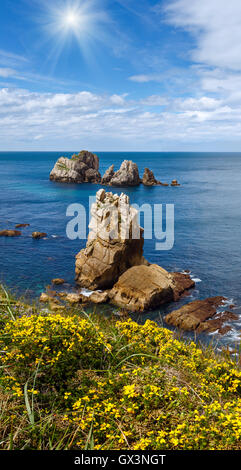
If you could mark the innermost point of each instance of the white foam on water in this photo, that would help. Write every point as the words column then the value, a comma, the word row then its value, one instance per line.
column 213, row 333
column 228, row 302
column 87, row 292
column 196, row 279
column 54, row 236
column 234, row 335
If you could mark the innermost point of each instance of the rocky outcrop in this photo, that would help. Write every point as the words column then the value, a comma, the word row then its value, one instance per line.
column 38, row 235
column 113, row 259
column 181, row 283
column 115, row 242
column 149, row 178
column 81, row 168
column 147, row 287
column 10, row 233
column 127, row 175
column 108, row 175
column 84, row 168
column 58, row 281
column 201, row 315
column 175, row 183
column 22, row 225
column 99, row 297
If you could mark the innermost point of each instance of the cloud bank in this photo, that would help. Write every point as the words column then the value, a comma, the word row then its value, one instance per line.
column 84, row 119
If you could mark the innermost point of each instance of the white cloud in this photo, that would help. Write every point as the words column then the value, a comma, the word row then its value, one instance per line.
column 142, row 78
column 7, row 72
column 75, row 120
column 216, row 26
column 154, row 100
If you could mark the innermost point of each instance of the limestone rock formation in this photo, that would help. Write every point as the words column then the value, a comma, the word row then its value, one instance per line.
column 115, row 242
column 147, row 287
column 127, row 175
column 108, row 175
column 201, row 315
column 149, row 178
column 81, row 168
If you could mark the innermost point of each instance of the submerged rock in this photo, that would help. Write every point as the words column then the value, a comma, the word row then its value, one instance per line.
column 10, row 233
column 81, row 168
column 22, row 225
column 175, row 183
column 201, row 315
column 147, row 287
column 58, row 281
column 111, row 248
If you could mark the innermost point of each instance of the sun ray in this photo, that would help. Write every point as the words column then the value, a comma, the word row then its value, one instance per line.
column 81, row 21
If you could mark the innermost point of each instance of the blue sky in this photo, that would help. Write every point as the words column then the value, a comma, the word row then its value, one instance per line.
column 120, row 75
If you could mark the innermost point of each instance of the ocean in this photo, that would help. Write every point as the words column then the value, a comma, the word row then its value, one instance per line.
column 207, row 221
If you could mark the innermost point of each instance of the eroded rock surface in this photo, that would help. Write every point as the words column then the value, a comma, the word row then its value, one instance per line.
column 81, row 168
column 127, row 175
column 108, row 175
column 149, row 178
column 147, row 287
column 115, row 242
column 201, row 315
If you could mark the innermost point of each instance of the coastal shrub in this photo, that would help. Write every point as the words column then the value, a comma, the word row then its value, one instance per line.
column 57, row 344
column 72, row 381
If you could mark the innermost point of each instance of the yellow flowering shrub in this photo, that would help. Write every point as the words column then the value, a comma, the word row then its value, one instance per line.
column 69, row 381
column 56, row 344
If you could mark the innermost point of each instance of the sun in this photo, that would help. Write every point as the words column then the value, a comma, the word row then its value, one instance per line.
column 71, row 19
column 74, row 22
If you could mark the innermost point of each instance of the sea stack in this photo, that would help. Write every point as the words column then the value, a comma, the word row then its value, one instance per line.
column 80, row 168
column 149, row 178
column 110, row 248
column 127, row 175
column 113, row 259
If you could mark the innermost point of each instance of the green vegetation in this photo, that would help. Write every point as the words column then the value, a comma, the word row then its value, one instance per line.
column 62, row 166
column 74, row 381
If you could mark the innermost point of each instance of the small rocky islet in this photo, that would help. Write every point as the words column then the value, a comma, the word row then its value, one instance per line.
column 114, row 270
column 84, row 168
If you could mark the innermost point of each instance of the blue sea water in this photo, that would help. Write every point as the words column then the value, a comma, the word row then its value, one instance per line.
column 207, row 220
